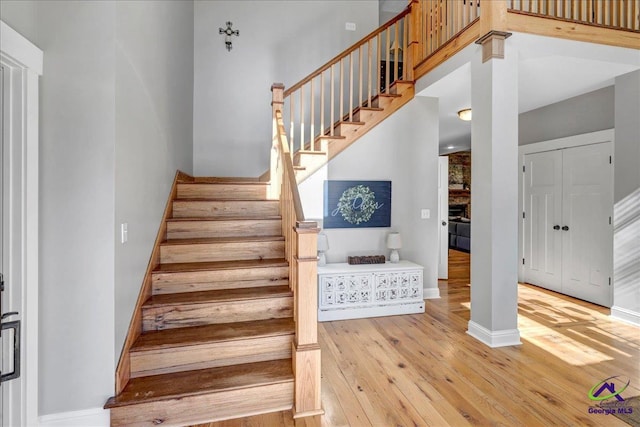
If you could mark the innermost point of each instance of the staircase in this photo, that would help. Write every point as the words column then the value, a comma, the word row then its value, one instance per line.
column 225, row 325
column 341, row 101
column 351, row 128
column 217, row 327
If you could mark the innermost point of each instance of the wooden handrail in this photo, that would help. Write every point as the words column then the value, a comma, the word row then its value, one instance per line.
column 289, row 172
column 346, row 53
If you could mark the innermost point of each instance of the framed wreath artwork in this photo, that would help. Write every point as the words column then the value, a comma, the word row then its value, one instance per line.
column 357, row 204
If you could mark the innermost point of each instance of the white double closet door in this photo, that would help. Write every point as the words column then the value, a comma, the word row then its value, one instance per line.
column 568, row 205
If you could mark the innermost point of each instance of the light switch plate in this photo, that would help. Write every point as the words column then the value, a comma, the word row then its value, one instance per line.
column 124, row 232
column 425, row 214
column 350, row 26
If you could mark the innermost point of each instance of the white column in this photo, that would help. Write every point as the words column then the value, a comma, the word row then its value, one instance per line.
column 626, row 211
column 494, row 200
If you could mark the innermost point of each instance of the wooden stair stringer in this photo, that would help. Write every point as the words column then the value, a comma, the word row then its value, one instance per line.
column 400, row 94
column 123, row 369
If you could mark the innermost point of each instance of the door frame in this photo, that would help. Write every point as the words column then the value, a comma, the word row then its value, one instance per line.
column 597, row 137
column 26, row 60
column 443, row 216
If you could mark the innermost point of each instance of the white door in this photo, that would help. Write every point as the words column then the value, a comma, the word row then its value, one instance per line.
column 568, row 207
column 543, row 215
column 10, row 295
column 587, row 247
column 21, row 64
column 443, row 217
column 3, row 348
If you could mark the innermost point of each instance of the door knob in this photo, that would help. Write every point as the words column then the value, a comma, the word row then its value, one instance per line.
column 556, row 227
column 565, row 228
column 444, row 222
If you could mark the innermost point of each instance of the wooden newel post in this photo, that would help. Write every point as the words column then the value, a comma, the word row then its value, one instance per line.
column 306, row 350
column 277, row 104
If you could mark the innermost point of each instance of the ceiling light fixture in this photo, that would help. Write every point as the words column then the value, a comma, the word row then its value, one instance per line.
column 465, row 114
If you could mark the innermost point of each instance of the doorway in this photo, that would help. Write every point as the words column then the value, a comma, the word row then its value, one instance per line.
column 455, row 204
column 20, row 65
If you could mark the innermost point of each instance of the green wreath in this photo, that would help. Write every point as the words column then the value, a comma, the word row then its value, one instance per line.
column 357, row 204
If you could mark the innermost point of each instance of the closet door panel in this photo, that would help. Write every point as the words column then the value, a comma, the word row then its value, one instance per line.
column 543, row 211
column 586, row 210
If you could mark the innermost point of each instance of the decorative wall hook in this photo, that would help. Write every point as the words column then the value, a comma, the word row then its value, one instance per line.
column 228, row 32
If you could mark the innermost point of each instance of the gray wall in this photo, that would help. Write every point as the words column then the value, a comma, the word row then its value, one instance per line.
column 21, row 16
column 280, row 41
column 154, row 132
column 77, row 155
column 115, row 124
column 626, row 214
column 586, row 113
column 411, row 164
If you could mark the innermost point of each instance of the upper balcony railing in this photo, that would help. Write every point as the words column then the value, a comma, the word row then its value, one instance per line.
column 620, row 14
column 442, row 20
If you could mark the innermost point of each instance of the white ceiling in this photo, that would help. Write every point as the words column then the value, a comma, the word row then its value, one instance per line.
column 550, row 70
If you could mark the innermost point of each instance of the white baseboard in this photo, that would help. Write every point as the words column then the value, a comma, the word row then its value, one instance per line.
column 431, row 293
column 626, row 315
column 96, row 417
column 494, row 338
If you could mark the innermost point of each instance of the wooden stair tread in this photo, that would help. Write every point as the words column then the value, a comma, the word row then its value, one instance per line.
column 208, row 240
column 206, row 297
column 322, row 153
column 225, row 180
column 204, row 199
column 331, row 137
column 169, row 338
column 227, row 218
column 202, row 381
column 346, row 122
column 390, row 95
column 219, row 265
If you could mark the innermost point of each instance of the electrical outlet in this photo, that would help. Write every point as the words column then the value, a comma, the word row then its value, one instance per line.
column 425, row 214
column 350, row 26
column 124, row 232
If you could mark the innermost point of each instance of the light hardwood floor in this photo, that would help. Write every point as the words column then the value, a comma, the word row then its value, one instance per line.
column 424, row 370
